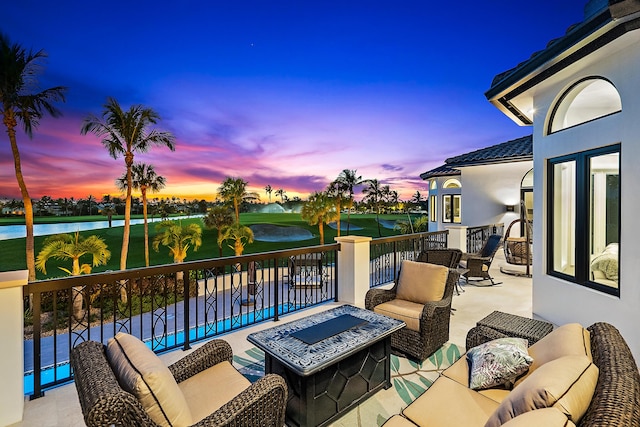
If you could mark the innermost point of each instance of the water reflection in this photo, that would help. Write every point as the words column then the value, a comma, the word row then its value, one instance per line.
column 19, row 231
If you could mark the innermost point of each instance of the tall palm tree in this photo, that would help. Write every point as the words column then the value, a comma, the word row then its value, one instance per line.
column 280, row 192
column 268, row 190
column 68, row 246
column 126, row 133
column 373, row 195
column 349, row 178
column 320, row 210
column 218, row 217
column 241, row 235
column 20, row 103
column 234, row 191
column 178, row 238
column 337, row 190
column 109, row 212
column 143, row 178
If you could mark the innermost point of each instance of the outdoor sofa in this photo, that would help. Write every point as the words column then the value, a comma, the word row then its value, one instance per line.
column 579, row 377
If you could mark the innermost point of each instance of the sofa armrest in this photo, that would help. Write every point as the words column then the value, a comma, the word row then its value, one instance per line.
column 482, row 334
column 263, row 403
column 378, row 296
column 210, row 354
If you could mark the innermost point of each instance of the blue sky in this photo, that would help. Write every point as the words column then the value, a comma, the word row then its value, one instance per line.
column 281, row 93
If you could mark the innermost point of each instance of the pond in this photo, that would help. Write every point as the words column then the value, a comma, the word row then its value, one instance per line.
column 19, row 231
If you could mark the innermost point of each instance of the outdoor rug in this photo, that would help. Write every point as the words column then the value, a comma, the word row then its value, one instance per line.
column 409, row 379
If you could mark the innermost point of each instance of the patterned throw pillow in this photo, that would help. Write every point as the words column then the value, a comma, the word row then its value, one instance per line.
column 498, row 362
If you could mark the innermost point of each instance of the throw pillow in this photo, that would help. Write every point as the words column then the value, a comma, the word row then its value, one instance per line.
column 567, row 383
column 421, row 282
column 498, row 362
column 142, row 373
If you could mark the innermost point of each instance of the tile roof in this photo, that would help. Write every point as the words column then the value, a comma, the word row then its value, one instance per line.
column 514, row 150
column 443, row 170
column 519, row 149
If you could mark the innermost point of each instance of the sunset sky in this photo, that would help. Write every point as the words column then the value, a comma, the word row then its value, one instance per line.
column 280, row 93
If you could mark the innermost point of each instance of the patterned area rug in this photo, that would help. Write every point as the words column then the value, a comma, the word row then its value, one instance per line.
column 409, row 379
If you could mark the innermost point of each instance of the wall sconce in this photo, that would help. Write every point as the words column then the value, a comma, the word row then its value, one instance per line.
column 510, row 208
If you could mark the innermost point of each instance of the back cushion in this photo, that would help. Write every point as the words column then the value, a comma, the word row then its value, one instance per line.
column 567, row 340
column 567, row 383
column 421, row 282
column 143, row 374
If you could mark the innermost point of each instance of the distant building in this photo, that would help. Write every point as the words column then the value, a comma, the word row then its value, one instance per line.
column 482, row 187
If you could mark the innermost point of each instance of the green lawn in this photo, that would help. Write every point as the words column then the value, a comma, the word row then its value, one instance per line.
column 12, row 251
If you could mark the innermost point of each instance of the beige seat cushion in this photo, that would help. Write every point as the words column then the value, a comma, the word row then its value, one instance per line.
column 407, row 311
column 567, row 340
column 208, row 390
column 447, row 403
column 547, row 417
column 567, row 383
column 459, row 372
column 143, row 374
column 421, row 282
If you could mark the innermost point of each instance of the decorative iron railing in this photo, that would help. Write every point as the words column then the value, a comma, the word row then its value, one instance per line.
column 476, row 236
column 169, row 306
column 386, row 254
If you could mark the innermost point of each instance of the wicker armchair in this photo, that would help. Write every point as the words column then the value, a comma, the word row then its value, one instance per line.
column 434, row 321
column 447, row 257
column 479, row 263
column 105, row 403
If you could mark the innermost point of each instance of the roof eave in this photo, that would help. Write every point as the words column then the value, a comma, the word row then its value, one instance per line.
column 492, row 161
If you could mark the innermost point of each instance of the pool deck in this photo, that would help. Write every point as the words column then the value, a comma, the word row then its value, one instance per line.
column 60, row 406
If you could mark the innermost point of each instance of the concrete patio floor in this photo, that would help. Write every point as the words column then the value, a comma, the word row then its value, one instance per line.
column 60, row 406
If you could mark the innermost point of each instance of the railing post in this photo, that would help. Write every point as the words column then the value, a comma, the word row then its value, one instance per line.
column 12, row 332
column 186, row 303
column 457, row 238
column 353, row 269
column 276, row 293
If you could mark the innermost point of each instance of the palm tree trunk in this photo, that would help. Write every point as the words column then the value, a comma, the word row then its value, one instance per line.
column 338, row 205
column 10, row 123
column 146, row 227
column 76, row 293
column 321, row 230
column 127, row 224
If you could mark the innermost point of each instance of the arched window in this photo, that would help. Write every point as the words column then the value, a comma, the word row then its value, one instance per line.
column 588, row 99
column 452, row 183
column 434, row 185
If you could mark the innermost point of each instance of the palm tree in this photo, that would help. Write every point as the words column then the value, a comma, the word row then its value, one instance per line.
column 319, row 209
column 349, row 178
column 18, row 103
column 90, row 198
column 234, row 191
column 373, row 195
column 218, row 217
column 268, row 190
column 68, row 246
column 241, row 235
column 126, row 133
column 280, row 192
column 178, row 238
column 109, row 212
column 336, row 190
column 143, row 178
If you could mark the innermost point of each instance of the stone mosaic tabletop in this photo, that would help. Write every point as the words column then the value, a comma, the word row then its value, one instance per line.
column 307, row 359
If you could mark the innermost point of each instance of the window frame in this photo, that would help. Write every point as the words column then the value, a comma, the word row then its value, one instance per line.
column 451, row 198
column 433, row 213
column 582, row 188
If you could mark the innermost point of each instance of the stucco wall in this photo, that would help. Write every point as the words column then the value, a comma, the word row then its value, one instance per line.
column 486, row 190
column 557, row 300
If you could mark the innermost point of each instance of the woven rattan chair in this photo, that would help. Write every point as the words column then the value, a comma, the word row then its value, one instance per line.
column 479, row 263
column 434, row 321
column 105, row 403
column 447, row 257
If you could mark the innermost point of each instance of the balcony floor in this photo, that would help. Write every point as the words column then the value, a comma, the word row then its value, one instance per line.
column 60, row 406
